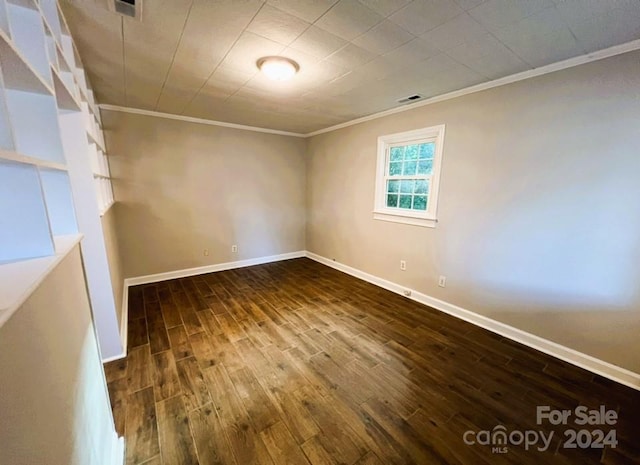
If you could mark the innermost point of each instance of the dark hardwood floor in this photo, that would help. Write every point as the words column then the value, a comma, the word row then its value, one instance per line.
column 296, row 363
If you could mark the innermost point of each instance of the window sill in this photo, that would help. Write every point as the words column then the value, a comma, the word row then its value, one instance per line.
column 19, row 279
column 423, row 222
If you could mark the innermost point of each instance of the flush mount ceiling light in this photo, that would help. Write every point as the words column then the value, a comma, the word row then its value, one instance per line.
column 278, row 68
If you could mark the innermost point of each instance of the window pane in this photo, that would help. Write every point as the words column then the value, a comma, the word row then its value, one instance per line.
column 411, row 152
column 421, row 187
column 420, row 202
column 393, row 186
column 409, row 168
column 396, row 153
column 395, row 168
column 406, row 187
column 425, row 167
column 427, row 150
column 405, row 201
column 392, row 200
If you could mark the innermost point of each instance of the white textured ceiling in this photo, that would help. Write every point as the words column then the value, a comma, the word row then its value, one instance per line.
column 357, row 57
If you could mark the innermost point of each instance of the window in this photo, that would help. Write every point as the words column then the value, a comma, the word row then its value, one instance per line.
column 407, row 176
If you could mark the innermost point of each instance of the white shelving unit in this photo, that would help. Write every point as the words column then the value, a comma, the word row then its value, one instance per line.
column 54, row 171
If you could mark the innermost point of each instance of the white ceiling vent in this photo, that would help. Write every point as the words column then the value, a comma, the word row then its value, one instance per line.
column 130, row 8
column 411, row 98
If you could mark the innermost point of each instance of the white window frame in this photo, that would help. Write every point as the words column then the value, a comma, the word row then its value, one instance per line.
column 427, row 218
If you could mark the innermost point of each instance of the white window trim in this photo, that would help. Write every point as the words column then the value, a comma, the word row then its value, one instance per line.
column 397, row 215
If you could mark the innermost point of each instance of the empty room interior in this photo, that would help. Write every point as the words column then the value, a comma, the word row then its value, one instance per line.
column 319, row 232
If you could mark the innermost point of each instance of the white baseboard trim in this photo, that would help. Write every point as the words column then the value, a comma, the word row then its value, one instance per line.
column 154, row 278
column 124, row 323
column 588, row 362
column 114, row 357
column 117, row 451
column 595, row 365
column 124, row 326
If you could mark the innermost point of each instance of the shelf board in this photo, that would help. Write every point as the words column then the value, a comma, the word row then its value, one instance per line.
column 95, row 140
column 19, row 279
column 106, row 208
column 48, row 26
column 19, row 158
column 62, row 58
column 64, row 97
column 31, row 4
column 17, row 72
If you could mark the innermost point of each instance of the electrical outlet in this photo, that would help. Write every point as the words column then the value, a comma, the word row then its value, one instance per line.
column 403, row 265
column 234, row 248
column 205, row 252
column 442, row 281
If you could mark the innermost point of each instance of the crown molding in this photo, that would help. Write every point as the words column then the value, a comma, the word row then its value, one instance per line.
column 190, row 119
column 531, row 73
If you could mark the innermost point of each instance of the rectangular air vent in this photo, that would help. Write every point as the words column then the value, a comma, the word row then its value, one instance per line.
column 410, row 98
column 130, row 8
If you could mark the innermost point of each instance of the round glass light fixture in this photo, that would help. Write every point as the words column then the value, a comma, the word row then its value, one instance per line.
column 278, row 68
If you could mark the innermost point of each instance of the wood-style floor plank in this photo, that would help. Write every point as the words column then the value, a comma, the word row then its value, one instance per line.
column 179, row 341
column 210, row 438
column 316, row 454
column 281, row 445
column 194, row 387
column 157, row 460
column 369, row 459
column 294, row 362
column 137, row 333
column 176, row 441
column 166, row 383
column 141, row 428
column 259, row 406
column 340, row 441
column 246, row 445
column 139, row 368
column 118, row 397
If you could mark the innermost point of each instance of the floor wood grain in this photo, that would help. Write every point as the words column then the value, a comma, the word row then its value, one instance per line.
column 294, row 362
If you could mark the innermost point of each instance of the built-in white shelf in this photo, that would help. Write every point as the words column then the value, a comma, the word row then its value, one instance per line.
column 94, row 132
column 34, row 120
column 7, row 155
column 104, row 192
column 67, row 49
column 30, row 4
column 6, row 137
column 18, row 73
column 54, row 174
column 52, row 53
column 100, row 167
column 24, row 224
column 59, row 201
column 27, row 33
column 4, row 18
column 65, row 91
column 51, row 18
column 19, row 279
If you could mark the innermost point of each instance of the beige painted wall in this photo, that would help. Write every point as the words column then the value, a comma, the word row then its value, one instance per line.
column 539, row 213
column 185, row 187
column 53, row 398
column 113, row 255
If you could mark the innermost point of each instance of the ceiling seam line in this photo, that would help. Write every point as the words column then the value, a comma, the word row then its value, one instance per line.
column 501, row 42
column 584, row 50
column 222, row 59
column 124, row 63
column 173, row 58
